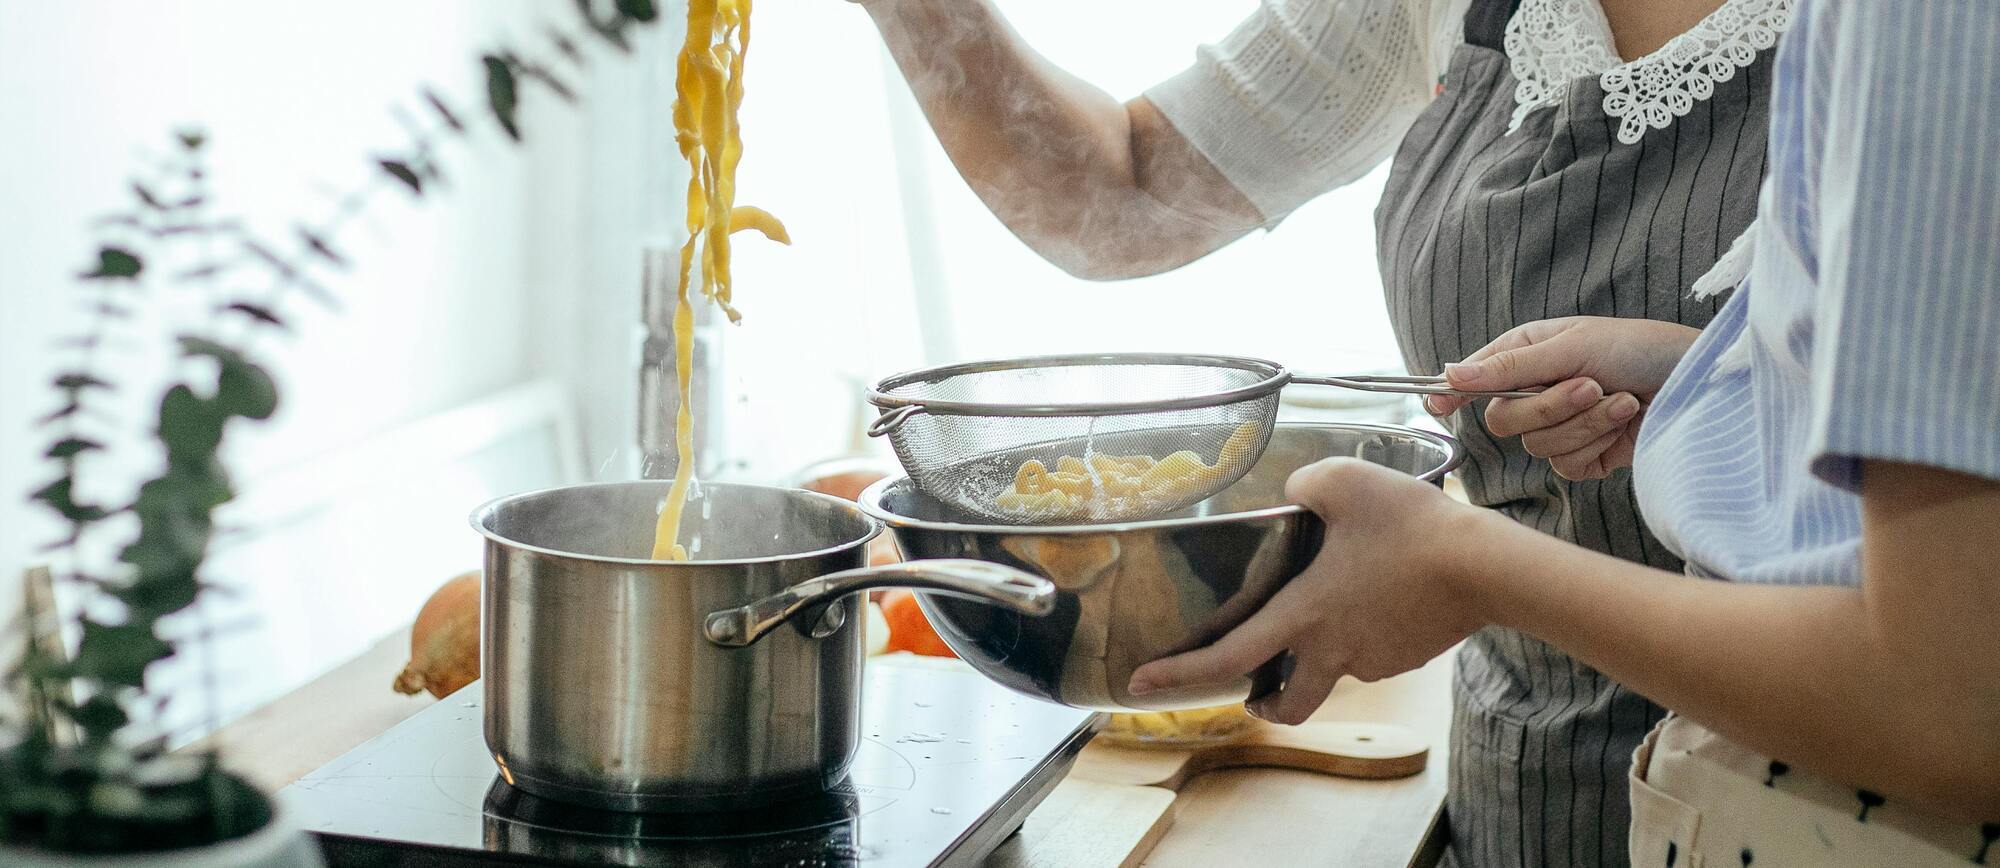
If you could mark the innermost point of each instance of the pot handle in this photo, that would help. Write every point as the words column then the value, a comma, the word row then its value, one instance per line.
column 1018, row 590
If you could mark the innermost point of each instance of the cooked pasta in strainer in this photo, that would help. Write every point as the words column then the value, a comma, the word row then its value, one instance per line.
column 1111, row 486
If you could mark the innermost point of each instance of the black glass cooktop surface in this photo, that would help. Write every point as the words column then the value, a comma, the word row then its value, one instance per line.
column 949, row 765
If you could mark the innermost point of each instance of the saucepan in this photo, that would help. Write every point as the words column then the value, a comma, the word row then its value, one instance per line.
column 722, row 683
column 1130, row 593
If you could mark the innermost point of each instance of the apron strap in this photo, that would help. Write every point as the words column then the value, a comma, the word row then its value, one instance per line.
column 1486, row 23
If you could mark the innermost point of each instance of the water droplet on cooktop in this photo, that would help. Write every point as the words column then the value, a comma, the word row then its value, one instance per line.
column 923, row 705
column 941, row 811
column 920, row 738
column 468, row 705
column 964, row 741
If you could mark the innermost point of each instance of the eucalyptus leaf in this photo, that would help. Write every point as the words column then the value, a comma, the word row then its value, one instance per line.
column 500, row 94
column 256, row 312
column 77, row 381
column 610, row 28
column 319, row 245
column 100, row 715
column 63, row 412
column 444, row 111
column 201, row 272
column 117, row 654
column 147, row 197
column 245, row 389
column 189, row 425
column 242, row 387
column 196, row 345
column 401, row 171
column 70, row 447
column 638, row 10
column 165, row 556
column 59, row 497
column 566, row 46
column 115, row 263
column 191, row 484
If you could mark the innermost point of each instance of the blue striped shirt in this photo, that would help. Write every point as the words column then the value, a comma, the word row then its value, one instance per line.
column 1868, row 327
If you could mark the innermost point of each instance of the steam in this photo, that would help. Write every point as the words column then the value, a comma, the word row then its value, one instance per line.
column 1102, row 190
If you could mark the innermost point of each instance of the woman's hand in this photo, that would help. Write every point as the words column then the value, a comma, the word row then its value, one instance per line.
column 1601, row 372
column 1378, row 600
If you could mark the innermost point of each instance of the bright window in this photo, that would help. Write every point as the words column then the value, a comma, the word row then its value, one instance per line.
column 881, row 216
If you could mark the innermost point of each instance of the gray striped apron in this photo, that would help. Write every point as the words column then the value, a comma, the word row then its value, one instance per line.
column 1479, row 231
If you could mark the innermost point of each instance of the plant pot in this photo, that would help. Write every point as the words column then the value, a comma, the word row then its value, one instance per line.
column 276, row 844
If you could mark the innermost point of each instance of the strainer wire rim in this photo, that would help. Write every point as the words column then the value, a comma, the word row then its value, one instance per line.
column 1275, row 379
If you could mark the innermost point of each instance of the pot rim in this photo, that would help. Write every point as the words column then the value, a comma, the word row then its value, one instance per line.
column 485, row 510
column 871, row 497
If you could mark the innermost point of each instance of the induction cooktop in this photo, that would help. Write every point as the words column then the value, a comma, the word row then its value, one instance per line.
column 949, row 766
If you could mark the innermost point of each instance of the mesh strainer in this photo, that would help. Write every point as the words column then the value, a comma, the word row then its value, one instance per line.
column 1121, row 436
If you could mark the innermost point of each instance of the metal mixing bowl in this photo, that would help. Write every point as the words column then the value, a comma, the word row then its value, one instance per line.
column 1131, row 593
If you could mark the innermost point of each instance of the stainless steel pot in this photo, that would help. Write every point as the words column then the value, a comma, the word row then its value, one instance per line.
column 619, row 682
column 1131, row 593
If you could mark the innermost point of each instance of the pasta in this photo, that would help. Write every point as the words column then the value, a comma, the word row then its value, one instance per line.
column 1107, row 485
column 1196, row 726
column 709, row 90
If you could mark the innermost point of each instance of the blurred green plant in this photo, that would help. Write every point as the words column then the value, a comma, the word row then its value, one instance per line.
column 82, row 768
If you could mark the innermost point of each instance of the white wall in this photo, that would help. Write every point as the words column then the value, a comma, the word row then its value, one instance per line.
column 441, row 306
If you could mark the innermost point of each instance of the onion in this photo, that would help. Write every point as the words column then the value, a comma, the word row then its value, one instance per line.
column 444, row 643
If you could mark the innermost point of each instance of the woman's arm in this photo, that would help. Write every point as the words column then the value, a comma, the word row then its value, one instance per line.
column 1894, row 686
column 1102, row 189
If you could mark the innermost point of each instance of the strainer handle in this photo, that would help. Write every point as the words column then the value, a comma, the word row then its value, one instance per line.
column 807, row 602
column 887, row 423
column 1401, row 385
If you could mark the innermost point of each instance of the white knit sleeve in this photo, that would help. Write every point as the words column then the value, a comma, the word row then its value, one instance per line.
column 1307, row 95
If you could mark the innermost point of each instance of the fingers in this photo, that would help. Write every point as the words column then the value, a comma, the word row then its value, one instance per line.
column 1620, row 454
column 1241, row 650
column 1518, row 337
column 1596, row 460
column 1304, row 693
column 1444, row 405
column 1512, row 417
column 1608, row 415
column 1533, row 365
column 1330, row 485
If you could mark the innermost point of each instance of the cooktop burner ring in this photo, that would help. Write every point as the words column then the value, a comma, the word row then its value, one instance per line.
column 508, row 804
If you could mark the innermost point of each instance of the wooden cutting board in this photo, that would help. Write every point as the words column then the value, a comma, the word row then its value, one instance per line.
column 1373, row 751
column 1119, row 802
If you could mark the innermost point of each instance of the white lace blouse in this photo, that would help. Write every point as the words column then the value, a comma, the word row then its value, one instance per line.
column 1307, row 95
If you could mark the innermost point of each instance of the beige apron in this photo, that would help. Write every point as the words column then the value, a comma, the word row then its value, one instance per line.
column 1702, row 801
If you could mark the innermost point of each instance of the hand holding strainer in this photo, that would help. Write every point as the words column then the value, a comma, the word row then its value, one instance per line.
column 1116, row 436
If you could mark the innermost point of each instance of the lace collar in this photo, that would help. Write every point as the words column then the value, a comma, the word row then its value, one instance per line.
column 1553, row 42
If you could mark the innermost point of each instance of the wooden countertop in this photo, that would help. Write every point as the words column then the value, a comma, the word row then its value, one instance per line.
column 1094, row 818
